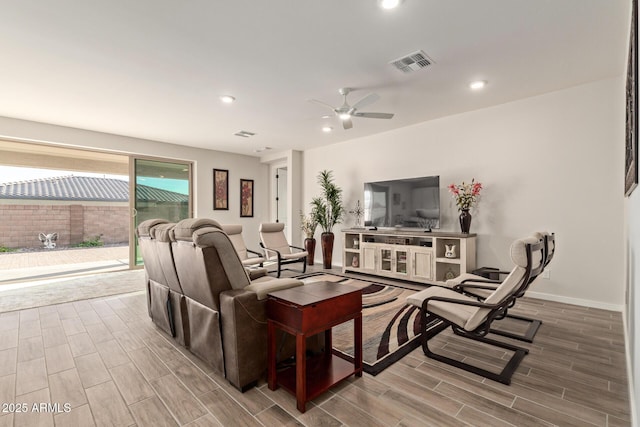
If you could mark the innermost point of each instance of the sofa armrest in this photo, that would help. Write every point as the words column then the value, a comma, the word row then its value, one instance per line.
column 263, row 286
column 256, row 273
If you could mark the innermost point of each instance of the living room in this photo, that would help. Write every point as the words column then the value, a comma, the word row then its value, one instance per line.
column 550, row 159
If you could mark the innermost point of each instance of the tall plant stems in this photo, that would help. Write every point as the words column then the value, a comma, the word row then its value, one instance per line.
column 327, row 208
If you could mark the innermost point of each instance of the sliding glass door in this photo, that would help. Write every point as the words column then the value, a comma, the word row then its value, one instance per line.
column 160, row 189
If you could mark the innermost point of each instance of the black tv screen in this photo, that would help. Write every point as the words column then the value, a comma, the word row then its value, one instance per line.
column 403, row 203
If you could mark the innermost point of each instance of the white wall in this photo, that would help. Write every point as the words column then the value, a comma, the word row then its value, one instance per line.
column 239, row 166
column 632, row 320
column 633, row 299
column 551, row 162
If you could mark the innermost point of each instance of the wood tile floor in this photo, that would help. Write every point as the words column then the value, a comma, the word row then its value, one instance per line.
column 109, row 365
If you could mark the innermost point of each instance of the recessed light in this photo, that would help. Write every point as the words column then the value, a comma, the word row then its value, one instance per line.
column 479, row 84
column 261, row 149
column 227, row 99
column 326, row 116
column 389, row 4
column 327, row 129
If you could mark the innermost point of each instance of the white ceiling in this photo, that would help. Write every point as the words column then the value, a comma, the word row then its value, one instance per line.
column 154, row 69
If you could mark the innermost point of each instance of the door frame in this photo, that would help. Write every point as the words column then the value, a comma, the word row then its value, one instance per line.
column 133, row 240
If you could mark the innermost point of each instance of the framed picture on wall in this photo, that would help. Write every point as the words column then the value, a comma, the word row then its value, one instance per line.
column 631, row 140
column 220, row 189
column 246, row 198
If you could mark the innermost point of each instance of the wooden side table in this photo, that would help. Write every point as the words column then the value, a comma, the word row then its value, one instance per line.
column 305, row 311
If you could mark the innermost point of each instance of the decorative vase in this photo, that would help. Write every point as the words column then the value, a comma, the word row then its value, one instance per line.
column 310, row 247
column 465, row 221
column 327, row 248
column 355, row 262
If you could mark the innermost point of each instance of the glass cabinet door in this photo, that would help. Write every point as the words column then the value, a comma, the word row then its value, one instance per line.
column 386, row 263
column 394, row 260
column 401, row 257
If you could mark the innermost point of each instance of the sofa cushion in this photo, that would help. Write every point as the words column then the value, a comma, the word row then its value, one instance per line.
column 184, row 229
column 144, row 228
column 456, row 313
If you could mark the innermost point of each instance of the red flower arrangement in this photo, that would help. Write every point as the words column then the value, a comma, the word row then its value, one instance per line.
column 465, row 195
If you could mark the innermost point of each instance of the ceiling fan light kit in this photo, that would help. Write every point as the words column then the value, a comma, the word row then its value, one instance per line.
column 345, row 112
column 389, row 4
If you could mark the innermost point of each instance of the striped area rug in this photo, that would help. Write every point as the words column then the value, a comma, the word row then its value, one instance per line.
column 390, row 327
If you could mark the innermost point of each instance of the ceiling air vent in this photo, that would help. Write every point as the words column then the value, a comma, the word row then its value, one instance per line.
column 412, row 62
column 244, row 134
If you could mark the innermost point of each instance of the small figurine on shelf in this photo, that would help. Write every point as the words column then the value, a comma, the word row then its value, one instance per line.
column 354, row 261
column 450, row 251
column 357, row 212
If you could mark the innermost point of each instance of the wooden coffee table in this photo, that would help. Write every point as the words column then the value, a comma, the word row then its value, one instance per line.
column 305, row 311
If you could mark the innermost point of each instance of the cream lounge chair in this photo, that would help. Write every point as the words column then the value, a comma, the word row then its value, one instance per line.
column 234, row 231
column 470, row 318
column 276, row 247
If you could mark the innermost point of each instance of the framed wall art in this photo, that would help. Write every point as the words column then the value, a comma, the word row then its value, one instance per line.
column 631, row 140
column 246, row 198
column 220, row 189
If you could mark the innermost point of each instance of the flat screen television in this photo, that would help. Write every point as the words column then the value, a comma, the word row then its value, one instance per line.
column 403, row 203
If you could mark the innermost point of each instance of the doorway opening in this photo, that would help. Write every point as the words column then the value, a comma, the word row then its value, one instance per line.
column 68, row 212
column 281, row 194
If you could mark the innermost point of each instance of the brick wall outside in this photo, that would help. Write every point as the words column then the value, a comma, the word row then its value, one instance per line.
column 20, row 225
column 110, row 221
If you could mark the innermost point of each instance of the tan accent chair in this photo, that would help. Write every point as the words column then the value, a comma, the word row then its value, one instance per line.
column 226, row 308
column 165, row 298
column 467, row 281
column 276, row 247
column 470, row 318
column 234, row 231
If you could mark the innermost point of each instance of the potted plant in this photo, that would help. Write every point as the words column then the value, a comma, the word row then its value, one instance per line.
column 327, row 211
column 466, row 196
column 308, row 225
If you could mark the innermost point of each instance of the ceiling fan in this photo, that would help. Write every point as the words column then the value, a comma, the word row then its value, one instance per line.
column 345, row 112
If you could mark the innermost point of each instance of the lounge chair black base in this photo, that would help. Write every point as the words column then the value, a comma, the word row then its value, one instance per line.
column 503, row 377
column 527, row 336
column 293, row 261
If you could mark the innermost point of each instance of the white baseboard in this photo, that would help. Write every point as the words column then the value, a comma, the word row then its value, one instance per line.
column 576, row 301
column 559, row 298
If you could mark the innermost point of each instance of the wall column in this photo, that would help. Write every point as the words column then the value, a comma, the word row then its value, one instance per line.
column 76, row 224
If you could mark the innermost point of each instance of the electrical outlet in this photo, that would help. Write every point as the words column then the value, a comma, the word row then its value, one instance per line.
column 546, row 274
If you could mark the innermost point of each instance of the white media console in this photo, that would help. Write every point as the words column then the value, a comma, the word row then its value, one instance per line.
column 409, row 255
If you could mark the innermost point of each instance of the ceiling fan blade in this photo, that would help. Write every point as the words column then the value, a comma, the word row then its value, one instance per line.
column 324, row 104
column 374, row 115
column 347, row 124
column 367, row 100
